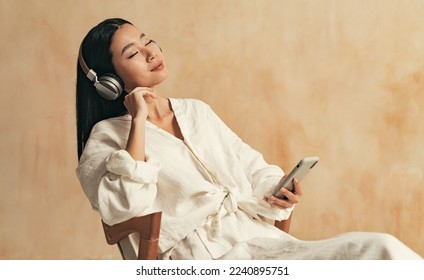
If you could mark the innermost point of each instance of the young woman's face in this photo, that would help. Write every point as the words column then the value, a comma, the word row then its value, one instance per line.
column 138, row 61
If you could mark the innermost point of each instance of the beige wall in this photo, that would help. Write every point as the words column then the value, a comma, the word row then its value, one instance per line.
column 340, row 79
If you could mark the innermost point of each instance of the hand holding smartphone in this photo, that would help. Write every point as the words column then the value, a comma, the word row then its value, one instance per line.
column 299, row 172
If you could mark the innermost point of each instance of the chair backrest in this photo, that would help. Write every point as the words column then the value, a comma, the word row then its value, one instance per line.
column 148, row 229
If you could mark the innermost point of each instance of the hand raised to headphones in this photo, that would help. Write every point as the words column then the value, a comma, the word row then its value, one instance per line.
column 135, row 101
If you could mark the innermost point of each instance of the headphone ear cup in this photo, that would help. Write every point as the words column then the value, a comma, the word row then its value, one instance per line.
column 109, row 86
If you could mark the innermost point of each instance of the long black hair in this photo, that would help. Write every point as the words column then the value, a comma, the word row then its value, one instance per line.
column 90, row 106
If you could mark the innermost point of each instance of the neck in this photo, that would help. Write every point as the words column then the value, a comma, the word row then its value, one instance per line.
column 159, row 108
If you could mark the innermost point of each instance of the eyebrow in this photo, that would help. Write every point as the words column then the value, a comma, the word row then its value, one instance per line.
column 131, row 44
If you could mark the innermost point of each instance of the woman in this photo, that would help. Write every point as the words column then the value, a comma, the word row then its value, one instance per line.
column 140, row 153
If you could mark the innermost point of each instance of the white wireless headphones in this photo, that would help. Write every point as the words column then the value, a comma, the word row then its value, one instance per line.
column 108, row 86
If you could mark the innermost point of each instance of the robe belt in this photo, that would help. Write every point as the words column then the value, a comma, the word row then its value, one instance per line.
column 214, row 220
column 230, row 204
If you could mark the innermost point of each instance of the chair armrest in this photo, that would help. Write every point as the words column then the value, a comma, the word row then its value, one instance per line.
column 148, row 228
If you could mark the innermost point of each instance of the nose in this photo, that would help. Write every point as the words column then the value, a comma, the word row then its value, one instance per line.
column 151, row 57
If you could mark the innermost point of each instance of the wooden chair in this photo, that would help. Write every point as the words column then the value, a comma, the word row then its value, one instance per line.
column 148, row 228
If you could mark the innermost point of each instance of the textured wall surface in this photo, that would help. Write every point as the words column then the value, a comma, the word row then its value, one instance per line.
column 340, row 79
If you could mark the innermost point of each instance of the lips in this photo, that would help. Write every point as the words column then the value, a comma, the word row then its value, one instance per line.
column 157, row 67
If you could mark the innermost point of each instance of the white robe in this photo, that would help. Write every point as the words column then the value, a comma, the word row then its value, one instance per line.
column 210, row 190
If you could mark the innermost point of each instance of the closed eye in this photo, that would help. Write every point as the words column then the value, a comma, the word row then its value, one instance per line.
column 132, row 55
column 148, row 43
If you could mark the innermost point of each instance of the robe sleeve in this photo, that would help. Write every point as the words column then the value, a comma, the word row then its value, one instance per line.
column 263, row 176
column 116, row 185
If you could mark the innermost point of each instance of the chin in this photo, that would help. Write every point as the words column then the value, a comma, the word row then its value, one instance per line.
column 159, row 81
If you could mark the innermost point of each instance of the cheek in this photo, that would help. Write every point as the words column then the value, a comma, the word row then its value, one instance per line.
column 119, row 71
column 128, row 75
column 135, row 79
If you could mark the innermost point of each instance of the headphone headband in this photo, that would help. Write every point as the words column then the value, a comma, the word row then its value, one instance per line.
column 88, row 72
column 81, row 61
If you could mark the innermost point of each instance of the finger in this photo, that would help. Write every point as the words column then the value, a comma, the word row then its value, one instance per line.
column 297, row 187
column 137, row 93
column 282, row 179
column 141, row 88
column 150, row 94
column 267, row 198
column 289, row 195
column 280, row 203
column 145, row 91
column 127, row 104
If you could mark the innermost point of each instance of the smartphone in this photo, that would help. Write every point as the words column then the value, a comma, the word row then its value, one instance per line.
column 299, row 172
